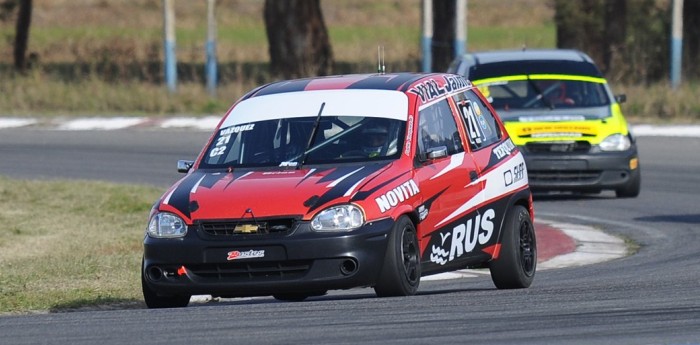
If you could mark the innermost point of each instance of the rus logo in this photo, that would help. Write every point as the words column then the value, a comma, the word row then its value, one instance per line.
column 464, row 238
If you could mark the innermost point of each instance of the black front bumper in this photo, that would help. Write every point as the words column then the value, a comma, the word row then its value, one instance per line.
column 301, row 261
column 580, row 171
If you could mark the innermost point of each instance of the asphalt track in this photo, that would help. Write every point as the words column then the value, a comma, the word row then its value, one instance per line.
column 650, row 297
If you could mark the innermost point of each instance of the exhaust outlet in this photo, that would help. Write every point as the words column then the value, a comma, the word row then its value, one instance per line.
column 155, row 273
column 348, row 267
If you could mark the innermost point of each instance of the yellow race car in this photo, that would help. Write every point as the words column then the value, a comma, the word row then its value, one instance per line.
column 560, row 111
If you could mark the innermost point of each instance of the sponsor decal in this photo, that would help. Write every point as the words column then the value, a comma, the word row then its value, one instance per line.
column 554, row 130
column 551, row 118
column 409, row 135
column 463, row 238
column 430, row 89
column 225, row 137
column 249, row 254
column 504, row 149
column 236, row 129
column 453, row 83
column 279, row 173
column 514, row 175
column 422, row 212
column 478, row 129
column 556, row 135
column 393, row 197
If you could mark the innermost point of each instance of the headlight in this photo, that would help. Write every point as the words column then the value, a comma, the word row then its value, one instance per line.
column 616, row 142
column 166, row 225
column 338, row 218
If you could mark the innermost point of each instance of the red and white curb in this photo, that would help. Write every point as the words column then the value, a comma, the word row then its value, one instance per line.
column 208, row 123
column 592, row 246
column 588, row 246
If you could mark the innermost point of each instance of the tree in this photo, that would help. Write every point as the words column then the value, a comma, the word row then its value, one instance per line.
column 24, row 17
column 627, row 39
column 615, row 28
column 443, row 33
column 691, row 37
column 581, row 25
column 298, row 39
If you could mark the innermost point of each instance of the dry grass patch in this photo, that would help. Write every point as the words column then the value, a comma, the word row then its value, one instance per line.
column 66, row 244
column 658, row 103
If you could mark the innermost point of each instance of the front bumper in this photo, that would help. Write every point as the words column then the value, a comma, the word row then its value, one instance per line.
column 581, row 171
column 301, row 261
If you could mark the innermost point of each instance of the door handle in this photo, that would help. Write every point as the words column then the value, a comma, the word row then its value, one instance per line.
column 473, row 176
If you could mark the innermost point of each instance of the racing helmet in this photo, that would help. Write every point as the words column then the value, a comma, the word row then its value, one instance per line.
column 374, row 138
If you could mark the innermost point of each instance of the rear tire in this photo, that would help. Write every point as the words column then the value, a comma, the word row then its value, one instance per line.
column 155, row 301
column 517, row 262
column 400, row 273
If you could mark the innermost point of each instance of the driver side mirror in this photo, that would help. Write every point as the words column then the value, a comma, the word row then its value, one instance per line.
column 437, row 152
column 184, row 166
column 621, row 98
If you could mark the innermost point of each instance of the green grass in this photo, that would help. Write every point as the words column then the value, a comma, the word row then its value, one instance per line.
column 486, row 38
column 42, row 96
column 70, row 244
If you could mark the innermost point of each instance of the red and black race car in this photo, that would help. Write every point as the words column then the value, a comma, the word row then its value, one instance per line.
column 340, row 182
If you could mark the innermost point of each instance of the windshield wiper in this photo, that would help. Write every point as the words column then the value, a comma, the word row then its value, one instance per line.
column 302, row 159
column 540, row 96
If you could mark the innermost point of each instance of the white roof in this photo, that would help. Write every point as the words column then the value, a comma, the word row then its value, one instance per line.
column 346, row 102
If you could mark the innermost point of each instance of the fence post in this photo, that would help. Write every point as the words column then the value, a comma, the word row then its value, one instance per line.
column 169, row 33
column 460, row 45
column 676, row 43
column 427, row 36
column 211, row 68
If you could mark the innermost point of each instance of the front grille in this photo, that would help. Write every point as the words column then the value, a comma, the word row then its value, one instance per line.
column 279, row 226
column 252, row 271
column 563, row 176
column 564, row 147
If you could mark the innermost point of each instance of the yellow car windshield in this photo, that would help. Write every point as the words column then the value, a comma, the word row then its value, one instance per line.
column 544, row 91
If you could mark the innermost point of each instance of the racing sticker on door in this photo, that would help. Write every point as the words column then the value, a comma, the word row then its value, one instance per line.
column 478, row 129
column 474, row 234
column 463, row 238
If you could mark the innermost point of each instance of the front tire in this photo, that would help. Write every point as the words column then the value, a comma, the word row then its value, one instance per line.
column 400, row 273
column 632, row 188
column 155, row 301
column 517, row 262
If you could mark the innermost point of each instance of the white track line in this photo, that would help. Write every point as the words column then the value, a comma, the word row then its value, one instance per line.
column 96, row 123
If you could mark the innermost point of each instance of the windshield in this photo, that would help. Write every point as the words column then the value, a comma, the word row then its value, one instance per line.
column 531, row 93
column 287, row 142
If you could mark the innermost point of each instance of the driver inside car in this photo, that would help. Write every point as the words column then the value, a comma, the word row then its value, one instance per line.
column 556, row 93
column 374, row 138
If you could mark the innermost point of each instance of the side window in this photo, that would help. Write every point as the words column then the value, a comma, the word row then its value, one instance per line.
column 480, row 123
column 437, row 129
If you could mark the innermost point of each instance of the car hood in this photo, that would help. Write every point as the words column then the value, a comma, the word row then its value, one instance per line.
column 574, row 124
column 242, row 194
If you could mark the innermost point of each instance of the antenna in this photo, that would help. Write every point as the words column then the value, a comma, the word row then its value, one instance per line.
column 381, row 68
